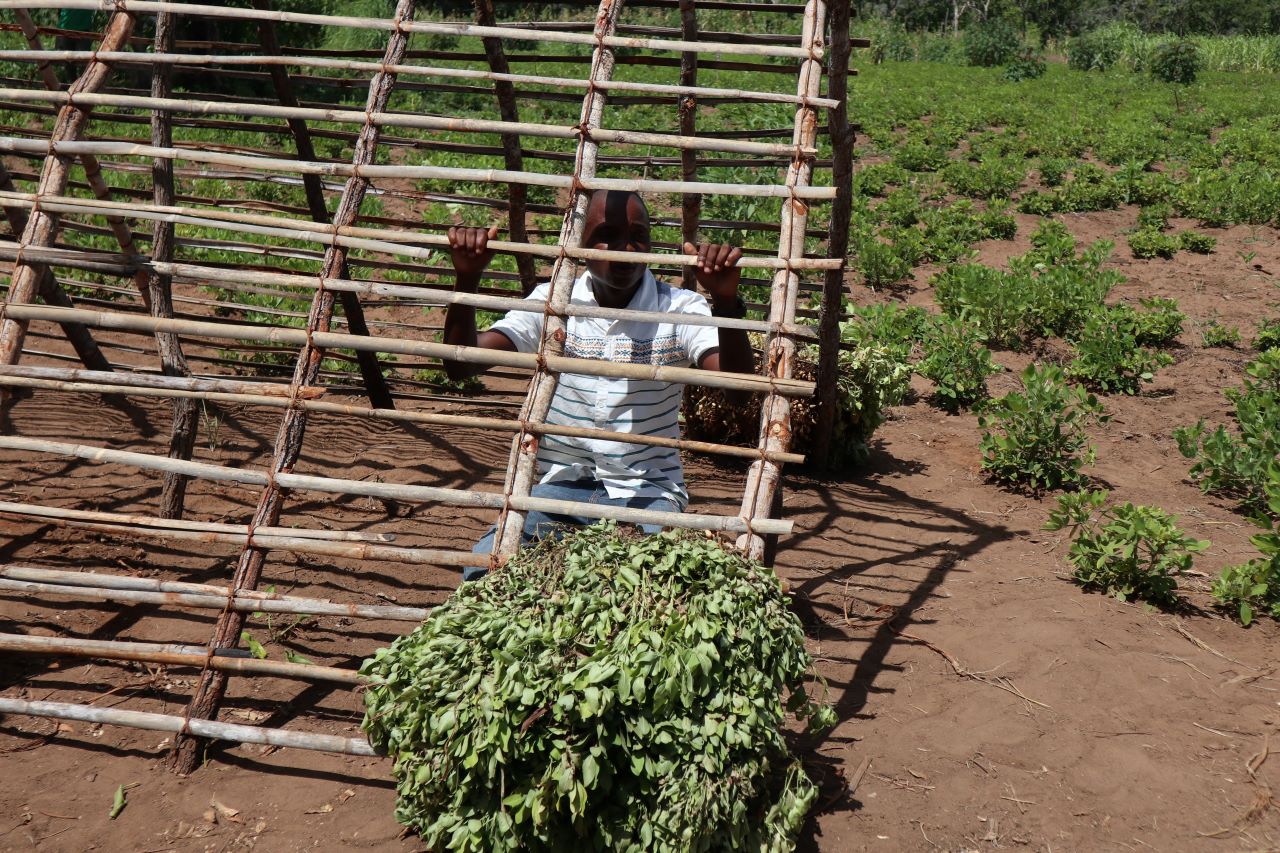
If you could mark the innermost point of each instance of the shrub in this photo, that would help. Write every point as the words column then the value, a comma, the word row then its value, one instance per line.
column 1108, row 357
column 1176, row 62
column 917, row 156
column 1155, row 217
column 1027, row 65
column 1254, row 587
column 1159, row 325
column 1036, row 438
column 889, row 325
column 988, row 298
column 1152, row 244
column 869, row 381
column 1097, row 50
column 1125, row 551
column 1201, row 244
column 1268, row 335
column 991, row 43
column 1215, row 334
column 882, row 265
column 1053, row 170
column 1238, row 466
column 958, row 363
column 995, row 177
column 602, row 691
column 1064, row 288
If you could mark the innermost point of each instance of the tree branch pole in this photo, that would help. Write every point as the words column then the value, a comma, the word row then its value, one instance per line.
column 691, row 204
column 182, row 435
column 92, row 171
column 52, row 293
column 763, row 478
column 370, row 370
column 517, row 193
column 522, row 467
column 443, row 28
column 838, row 239
column 204, row 704
column 233, row 732
column 41, row 227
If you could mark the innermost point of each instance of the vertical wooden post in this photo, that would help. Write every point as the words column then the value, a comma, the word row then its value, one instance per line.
column 375, row 383
column 42, row 227
column 182, row 437
column 691, row 204
column 517, row 194
column 208, row 695
column 838, row 236
column 542, row 388
column 775, row 415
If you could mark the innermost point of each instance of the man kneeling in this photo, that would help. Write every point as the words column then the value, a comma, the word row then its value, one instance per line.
column 584, row 470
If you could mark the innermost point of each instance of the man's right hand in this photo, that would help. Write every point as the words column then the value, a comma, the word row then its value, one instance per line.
column 470, row 252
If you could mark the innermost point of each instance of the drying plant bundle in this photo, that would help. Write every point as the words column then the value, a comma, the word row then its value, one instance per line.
column 603, row 691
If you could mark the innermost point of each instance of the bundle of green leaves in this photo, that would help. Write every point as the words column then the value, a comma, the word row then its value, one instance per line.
column 604, row 691
column 1126, row 551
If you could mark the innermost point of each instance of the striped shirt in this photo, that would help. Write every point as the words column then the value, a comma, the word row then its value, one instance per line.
column 639, row 406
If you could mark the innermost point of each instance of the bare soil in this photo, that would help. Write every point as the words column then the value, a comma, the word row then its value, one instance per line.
column 987, row 701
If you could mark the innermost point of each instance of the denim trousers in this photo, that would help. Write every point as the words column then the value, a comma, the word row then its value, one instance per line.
column 540, row 524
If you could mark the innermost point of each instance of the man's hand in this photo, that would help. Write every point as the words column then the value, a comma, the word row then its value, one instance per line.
column 470, row 252
column 717, row 270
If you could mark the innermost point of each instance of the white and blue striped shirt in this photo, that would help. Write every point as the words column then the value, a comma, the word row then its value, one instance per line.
column 641, row 406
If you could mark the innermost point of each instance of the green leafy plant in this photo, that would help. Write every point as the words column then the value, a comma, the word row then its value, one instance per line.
column 1215, row 334
column 1254, row 587
column 958, row 363
column 1155, row 217
column 1201, row 244
column 1149, row 243
column 1108, row 357
column 1158, row 325
column 600, row 691
column 881, row 263
column 1127, row 551
column 1238, row 465
column 991, row 43
column 1176, row 62
column 1267, row 336
column 988, row 298
column 1036, row 437
column 1027, row 65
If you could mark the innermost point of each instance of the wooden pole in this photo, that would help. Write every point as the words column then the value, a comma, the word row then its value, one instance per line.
column 775, row 416
column 182, row 434
column 41, row 227
column 52, row 293
column 707, row 93
column 386, row 119
column 493, row 176
column 66, row 578
column 208, row 695
column 508, row 536
column 444, row 28
column 838, row 239
column 472, row 355
column 397, row 491
column 199, row 728
column 517, row 195
column 239, row 603
column 370, row 370
column 174, row 655
column 101, row 385
column 691, row 204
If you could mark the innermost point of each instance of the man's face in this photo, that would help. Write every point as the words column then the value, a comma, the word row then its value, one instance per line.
column 618, row 221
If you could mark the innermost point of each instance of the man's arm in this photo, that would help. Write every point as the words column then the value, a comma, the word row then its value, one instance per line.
column 469, row 250
column 718, row 273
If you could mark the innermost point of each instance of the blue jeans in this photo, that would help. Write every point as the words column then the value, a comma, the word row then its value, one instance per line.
column 540, row 524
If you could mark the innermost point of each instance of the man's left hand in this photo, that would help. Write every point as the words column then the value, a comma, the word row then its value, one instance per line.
column 717, row 270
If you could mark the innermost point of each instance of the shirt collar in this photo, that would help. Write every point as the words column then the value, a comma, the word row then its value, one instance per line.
column 644, row 299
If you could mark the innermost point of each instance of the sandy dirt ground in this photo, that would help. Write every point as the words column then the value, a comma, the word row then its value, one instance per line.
column 986, row 702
